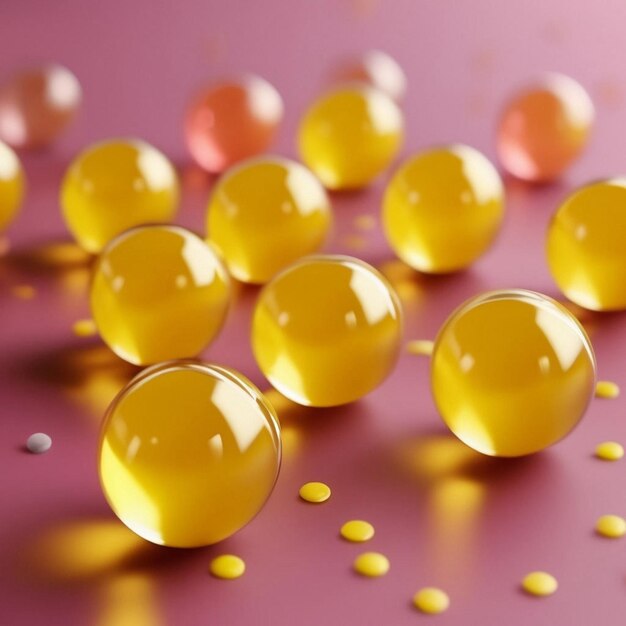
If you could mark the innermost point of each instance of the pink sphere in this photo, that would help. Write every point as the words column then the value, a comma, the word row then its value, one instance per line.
column 37, row 104
column 231, row 121
column 544, row 128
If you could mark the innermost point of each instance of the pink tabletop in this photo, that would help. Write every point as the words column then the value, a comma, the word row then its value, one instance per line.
column 444, row 515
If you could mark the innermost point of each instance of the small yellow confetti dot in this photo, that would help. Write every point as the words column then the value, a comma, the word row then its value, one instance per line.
column 607, row 389
column 84, row 328
column 420, row 347
column 24, row 292
column 357, row 530
column 227, row 566
column 315, row 492
column 371, row 564
column 612, row 526
column 609, row 451
column 365, row 222
column 431, row 600
column 540, row 584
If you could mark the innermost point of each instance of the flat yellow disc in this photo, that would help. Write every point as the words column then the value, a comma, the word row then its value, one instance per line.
column 609, row 451
column 540, row 584
column 227, row 566
column 607, row 389
column 357, row 531
column 372, row 564
column 612, row 526
column 315, row 492
column 431, row 600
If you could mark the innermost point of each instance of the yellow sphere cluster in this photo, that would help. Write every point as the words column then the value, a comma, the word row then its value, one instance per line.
column 512, row 372
column 12, row 185
column 327, row 330
column 264, row 214
column 443, row 208
column 158, row 293
column 350, row 135
column 115, row 185
column 586, row 246
column 189, row 453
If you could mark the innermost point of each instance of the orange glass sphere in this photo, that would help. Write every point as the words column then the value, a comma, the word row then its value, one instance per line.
column 544, row 128
column 231, row 121
column 37, row 104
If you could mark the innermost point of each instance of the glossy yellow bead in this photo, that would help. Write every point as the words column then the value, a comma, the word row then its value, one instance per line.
column 611, row 526
column 315, row 492
column 350, row 135
column 609, row 451
column 585, row 246
column 357, row 531
column 327, row 330
column 607, row 389
column 431, row 600
column 371, row 564
column 266, row 213
column 12, row 184
column 512, row 372
column 115, row 185
column 189, row 453
column 228, row 566
column 540, row 584
column 158, row 293
column 443, row 208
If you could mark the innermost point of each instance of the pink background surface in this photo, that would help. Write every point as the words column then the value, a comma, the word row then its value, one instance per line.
column 444, row 515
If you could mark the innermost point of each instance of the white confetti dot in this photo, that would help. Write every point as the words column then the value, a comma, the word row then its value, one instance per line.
column 38, row 443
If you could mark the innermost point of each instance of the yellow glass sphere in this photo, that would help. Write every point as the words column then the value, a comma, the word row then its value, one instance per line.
column 512, row 372
column 443, row 208
column 189, row 453
column 158, row 293
column 12, row 185
column 266, row 213
column 115, row 185
column 350, row 135
column 586, row 246
column 327, row 330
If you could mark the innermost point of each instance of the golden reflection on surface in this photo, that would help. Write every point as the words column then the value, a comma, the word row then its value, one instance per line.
column 129, row 600
column 99, row 377
column 79, row 550
column 291, row 434
column 355, row 242
column 404, row 279
column 449, row 472
column 65, row 261
column 89, row 375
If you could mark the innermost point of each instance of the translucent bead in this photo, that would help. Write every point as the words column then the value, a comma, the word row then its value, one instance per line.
column 37, row 104
column 544, row 128
column 443, row 208
column 350, row 135
column 585, row 246
column 158, row 293
column 266, row 213
column 115, row 185
column 231, row 121
column 12, row 185
column 327, row 330
column 377, row 69
column 512, row 372
column 189, row 453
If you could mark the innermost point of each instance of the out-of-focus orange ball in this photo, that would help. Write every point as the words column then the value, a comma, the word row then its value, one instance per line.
column 232, row 120
column 37, row 104
column 377, row 69
column 544, row 128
